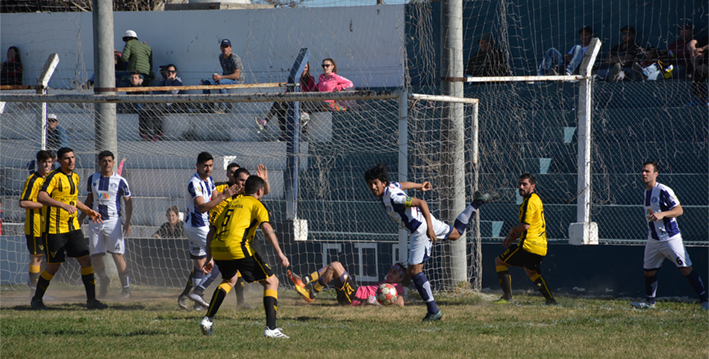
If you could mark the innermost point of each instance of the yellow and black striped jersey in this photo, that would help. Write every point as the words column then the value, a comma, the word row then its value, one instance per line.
column 63, row 188
column 216, row 211
column 33, row 220
column 531, row 212
column 236, row 227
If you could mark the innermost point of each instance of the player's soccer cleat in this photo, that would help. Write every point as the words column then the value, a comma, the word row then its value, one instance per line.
column 643, row 305
column 206, row 326
column 704, row 305
column 95, row 304
column 551, row 302
column 433, row 317
column 183, row 302
column 103, row 287
column 274, row 333
column 125, row 293
column 261, row 123
column 37, row 304
column 502, row 301
column 199, row 307
column 199, row 299
column 295, row 279
column 304, row 293
column 485, row 197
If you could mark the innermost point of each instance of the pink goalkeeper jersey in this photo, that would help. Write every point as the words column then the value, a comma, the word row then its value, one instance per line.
column 366, row 291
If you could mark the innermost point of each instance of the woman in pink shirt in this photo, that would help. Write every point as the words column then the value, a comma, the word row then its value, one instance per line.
column 348, row 292
column 330, row 81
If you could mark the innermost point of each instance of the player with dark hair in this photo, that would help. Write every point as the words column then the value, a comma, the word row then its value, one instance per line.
column 413, row 214
column 33, row 220
column 104, row 192
column 532, row 246
column 348, row 292
column 664, row 239
column 201, row 198
column 61, row 230
column 229, row 247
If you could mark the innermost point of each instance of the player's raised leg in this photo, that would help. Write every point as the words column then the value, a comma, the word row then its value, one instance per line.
column 461, row 222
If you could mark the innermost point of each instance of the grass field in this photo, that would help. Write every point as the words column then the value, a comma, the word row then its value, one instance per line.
column 151, row 326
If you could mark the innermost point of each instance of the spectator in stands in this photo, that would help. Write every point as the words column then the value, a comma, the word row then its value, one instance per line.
column 232, row 71
column 56, row 135
column 330, row 81
column 11, row 73
column 279, row 109
column 170, row 78
column 138, row 56
column 151, row 114
column 680, row 56
column 488, row 61
column 554, row 64
column 173, row 228
column 622, row 57
column 699, row 52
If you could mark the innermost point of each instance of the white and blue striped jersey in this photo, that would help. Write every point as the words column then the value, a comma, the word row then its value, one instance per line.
column 107, row 193
column 196, row 188
column 398, row 205
column 660, row 199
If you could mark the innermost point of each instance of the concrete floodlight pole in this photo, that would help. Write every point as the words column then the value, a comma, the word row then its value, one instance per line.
column 452, row 135
column 584, row 231
column 105, row 77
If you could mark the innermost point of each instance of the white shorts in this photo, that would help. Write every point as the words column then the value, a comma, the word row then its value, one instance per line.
column 198, row 240
column 672, row 249
column 106, row 237
column 420, row 244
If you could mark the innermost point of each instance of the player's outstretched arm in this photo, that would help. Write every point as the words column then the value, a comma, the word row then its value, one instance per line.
column 425, row 186
column 423, row 206
column 262, row 172
column 93, row 215
column 271, row 237
column 217, row 198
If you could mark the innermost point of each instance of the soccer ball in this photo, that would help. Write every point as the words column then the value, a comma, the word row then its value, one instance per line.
column 386, row 294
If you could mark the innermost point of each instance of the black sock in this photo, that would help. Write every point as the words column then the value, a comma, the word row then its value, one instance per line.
column 270, row 304
column 542, row 287
column 217, row 299
column 698, row 285
column 503, row 276
column 650, row 288
column 42, row 284
column 87, row 276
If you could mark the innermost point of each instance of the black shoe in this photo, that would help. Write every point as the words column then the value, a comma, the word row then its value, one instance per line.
column 37, row 304
column 95, row 304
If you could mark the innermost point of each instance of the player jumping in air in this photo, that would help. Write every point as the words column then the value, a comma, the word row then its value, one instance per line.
column 413, row 214
column 349, row 293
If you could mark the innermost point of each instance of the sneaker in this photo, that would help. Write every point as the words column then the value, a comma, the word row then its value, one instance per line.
column 37, row 304
column 125, row 293
column 433, row 317
column 274, row 333
column 261, row 123
column 704, row 305
column 485, row 197
column 103, row 287
column 199, row 299
column 304, row 293
column 183, row 301
column 503, row 301
column 95, row 304
column 295, row 279
column 551, row 302
column 643, row 305
column 206, row 326
column 552, row 72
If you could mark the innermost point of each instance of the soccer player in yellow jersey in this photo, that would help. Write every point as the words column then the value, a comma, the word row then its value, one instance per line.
column 33, row 220
column 532, row 246
column 229, row 247
column 61, row 231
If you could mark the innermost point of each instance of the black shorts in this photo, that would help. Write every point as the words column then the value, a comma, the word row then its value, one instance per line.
column 36, row 245
column 346, row 293
column 518, row 257
column 73, row 243
column 252, row 269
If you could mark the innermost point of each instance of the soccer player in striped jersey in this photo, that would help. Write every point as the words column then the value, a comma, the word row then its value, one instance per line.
column 664, row 239
column 229, row 247
column 61, row 230
column 413, row 215
column 33, row 220
column 201, row 198
column 105, row 190
column 532, row 246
